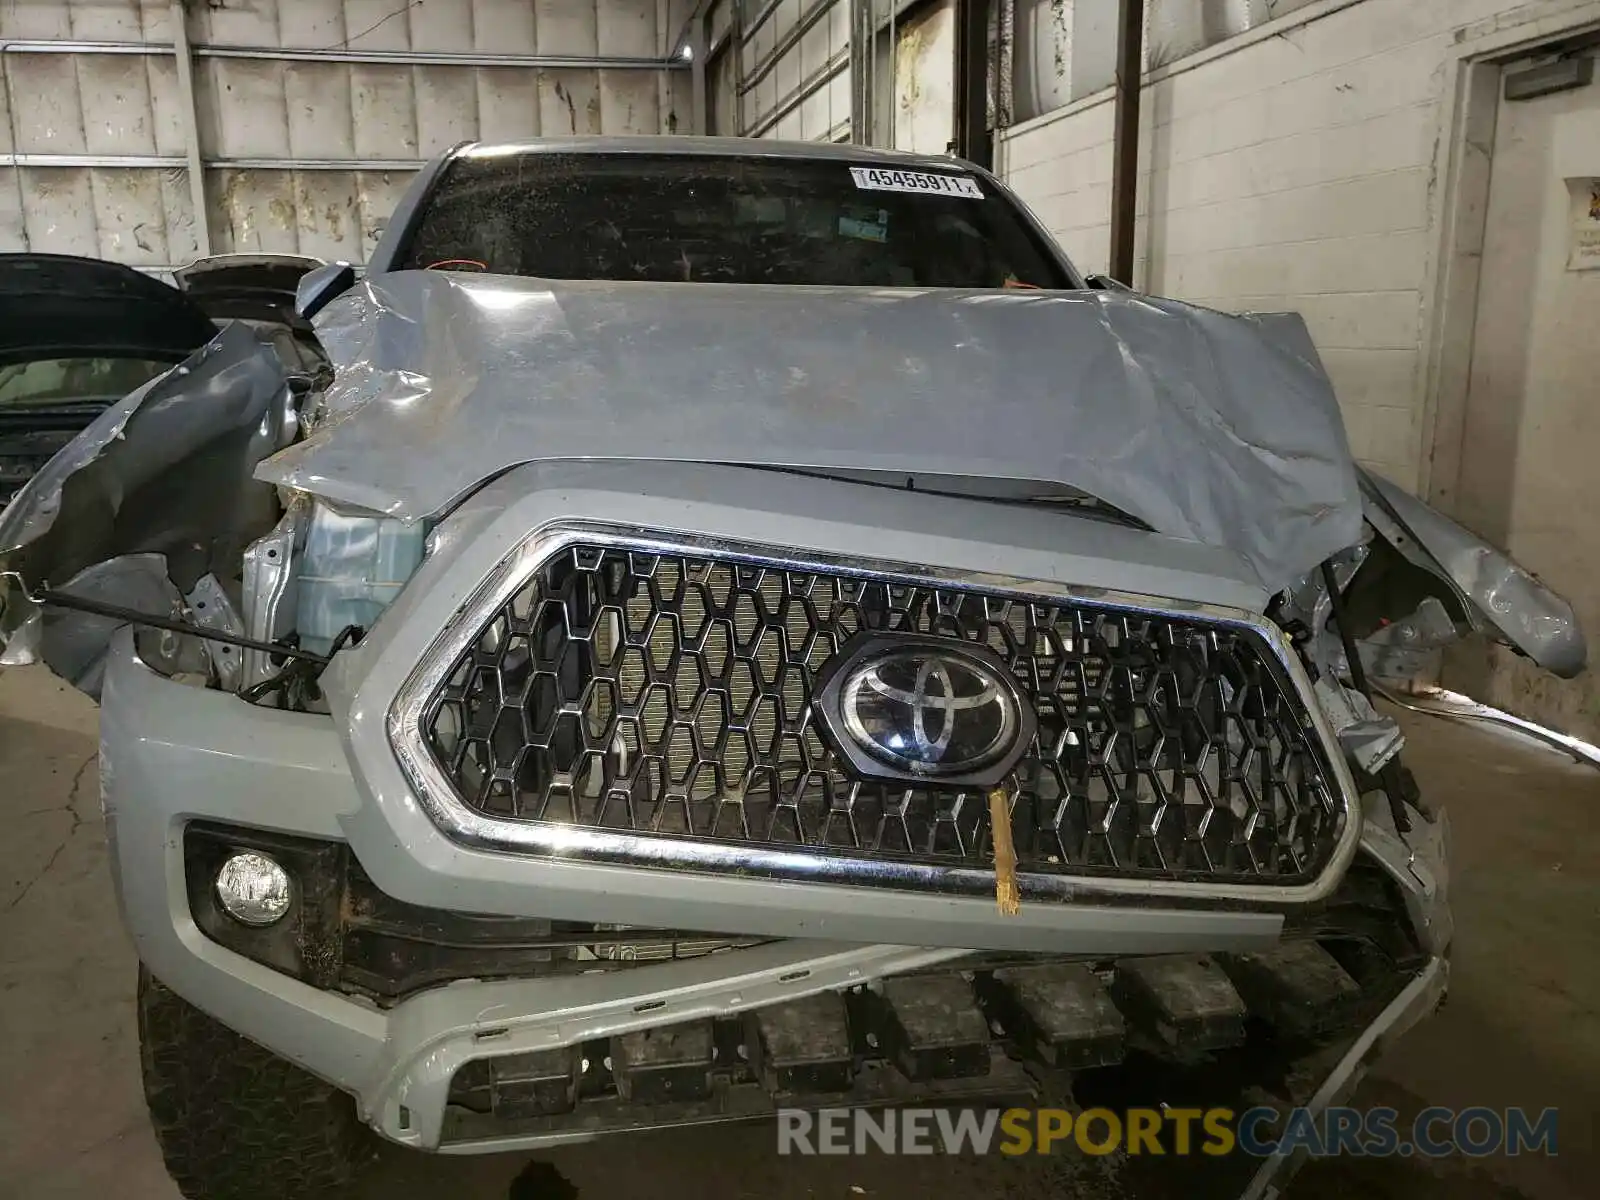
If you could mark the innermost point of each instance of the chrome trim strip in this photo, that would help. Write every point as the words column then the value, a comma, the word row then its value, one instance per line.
column 469, row 827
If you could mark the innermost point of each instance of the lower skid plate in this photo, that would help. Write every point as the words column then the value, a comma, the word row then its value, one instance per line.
column 950, row 1037
column 874, row 1084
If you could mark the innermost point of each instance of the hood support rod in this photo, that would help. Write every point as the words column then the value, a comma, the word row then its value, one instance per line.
column 53, row 599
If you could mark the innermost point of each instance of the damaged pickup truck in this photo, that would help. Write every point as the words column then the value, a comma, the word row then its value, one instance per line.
column 717, row 627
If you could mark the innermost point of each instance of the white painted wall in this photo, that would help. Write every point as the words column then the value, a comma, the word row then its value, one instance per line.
column 1292, row 167
column 1530, row 433
column 393, row 115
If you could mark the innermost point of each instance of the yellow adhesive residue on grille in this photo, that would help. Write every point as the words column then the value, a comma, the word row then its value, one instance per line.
column 1006, row 893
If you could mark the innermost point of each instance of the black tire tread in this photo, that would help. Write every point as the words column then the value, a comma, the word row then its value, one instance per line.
column 233, row 1120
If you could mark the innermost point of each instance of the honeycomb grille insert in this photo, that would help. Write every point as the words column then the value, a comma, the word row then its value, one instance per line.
column 668, row 695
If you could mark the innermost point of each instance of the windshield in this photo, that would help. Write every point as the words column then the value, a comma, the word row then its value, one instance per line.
column 52, row 381
column 675, row 218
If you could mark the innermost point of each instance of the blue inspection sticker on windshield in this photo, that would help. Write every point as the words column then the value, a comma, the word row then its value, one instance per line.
column 883, row 179
column 867, row 226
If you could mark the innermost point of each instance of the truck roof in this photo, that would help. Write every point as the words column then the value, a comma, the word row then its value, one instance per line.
column 711, row 147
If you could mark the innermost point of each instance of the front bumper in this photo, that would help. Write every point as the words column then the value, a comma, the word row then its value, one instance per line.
column 172, row 754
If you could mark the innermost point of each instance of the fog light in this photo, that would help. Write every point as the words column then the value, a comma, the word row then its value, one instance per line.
column 253, row 889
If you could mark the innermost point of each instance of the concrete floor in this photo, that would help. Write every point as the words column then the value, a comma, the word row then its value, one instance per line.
column 1522, row 1026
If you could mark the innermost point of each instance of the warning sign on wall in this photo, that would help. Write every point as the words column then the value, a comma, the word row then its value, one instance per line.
column 1584, row 240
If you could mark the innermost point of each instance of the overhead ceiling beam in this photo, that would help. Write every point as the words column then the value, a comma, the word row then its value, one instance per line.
column 137, row 162
column 403, row 58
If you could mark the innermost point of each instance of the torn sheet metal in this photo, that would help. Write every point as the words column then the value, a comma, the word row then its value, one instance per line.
column 1306, row 601
column 32, row 512
column 164, row 471
column 1367, row 736
column 270, row 590
column 1410, row 649
column 213, row 608
column 1205, row 426
column 1500, row 596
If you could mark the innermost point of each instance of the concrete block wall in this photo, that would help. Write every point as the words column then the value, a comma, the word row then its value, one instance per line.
column 1290, row 168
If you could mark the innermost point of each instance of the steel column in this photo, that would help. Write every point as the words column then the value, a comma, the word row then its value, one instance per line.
column 699, row 65
column 860, row 72
column 1125, row 139
column 191, row 128
column 972, row 82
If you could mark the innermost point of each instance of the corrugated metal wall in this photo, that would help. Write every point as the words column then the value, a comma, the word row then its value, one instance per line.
column 903, row 71
column 311, row 114
column 795, row 76
column 796, row 69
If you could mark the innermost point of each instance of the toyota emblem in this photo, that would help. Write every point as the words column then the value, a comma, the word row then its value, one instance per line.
column 924, row 708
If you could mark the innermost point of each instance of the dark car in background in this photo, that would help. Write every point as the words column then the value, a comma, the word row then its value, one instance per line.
column 77, row 334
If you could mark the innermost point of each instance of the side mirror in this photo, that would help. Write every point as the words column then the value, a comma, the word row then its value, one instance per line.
column 321, row 286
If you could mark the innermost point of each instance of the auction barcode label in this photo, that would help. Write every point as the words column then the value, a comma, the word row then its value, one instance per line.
column 882, row 179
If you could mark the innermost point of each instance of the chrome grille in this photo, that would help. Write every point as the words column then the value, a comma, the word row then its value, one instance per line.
column 668, row 695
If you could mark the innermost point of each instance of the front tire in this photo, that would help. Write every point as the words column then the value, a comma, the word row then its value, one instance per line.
column 234, row 1121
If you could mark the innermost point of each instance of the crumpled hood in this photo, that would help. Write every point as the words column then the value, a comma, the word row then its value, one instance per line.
column 1206, row 426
